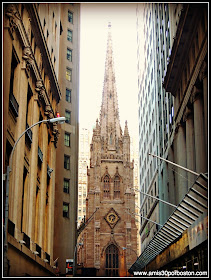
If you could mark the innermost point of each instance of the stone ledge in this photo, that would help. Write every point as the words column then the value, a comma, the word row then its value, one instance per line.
column 28, row 253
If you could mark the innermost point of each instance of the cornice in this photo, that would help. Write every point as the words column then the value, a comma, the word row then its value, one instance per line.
column 44, row 49
column 194, row 75
column 29, row 62
column 183, row 41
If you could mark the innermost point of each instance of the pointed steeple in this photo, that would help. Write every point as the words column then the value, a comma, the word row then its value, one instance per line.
column 126, row 132
column 109, row 116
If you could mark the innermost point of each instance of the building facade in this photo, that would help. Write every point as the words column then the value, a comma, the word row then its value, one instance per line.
column 31, row 94
column 134, row 152
column 65, row 219
column 156, row 23
column 110, row 236
column 49, row 35
column 186, row 81
column 84, row 158
column 190, row 141
column 166, row 18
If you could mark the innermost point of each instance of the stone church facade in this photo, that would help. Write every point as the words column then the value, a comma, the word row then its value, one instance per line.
column 109, row 239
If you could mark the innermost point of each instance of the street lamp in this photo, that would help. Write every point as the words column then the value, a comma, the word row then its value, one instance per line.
column 9, row 169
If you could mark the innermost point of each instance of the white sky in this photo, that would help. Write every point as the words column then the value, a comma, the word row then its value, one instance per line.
column 93, row 43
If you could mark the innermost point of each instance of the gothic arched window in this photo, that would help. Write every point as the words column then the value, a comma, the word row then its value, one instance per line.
column 112, row 260
column 106, row 188
column 116, row 187
column 111, row 140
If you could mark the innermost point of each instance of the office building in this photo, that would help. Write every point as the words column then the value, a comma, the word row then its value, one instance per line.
column 155, row 30
column 49, row 36
column 31, row 94
column 181, row 243
column 84, row 158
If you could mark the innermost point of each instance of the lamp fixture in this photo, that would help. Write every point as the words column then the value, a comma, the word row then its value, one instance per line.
column 22, row 242
column 59, row 120
column 45, row 260
column 35, row 252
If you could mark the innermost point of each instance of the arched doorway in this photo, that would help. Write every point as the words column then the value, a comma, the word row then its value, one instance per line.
column 112, row 260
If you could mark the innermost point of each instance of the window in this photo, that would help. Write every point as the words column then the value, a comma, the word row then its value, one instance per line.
column 116, row 187
column 68, row 116
column 66, row 162
column 61, row 29
column 69, row 54
column 67, row 139
column 11, row 228
column 111, row 139
column 106, row 186
column 69, row 74
column 65, row 210
column 69, row 35
column 68, row 95
column 70, row 16
column 66, row 185
column 39, row 250
column 14, row 106
column 112, row 260
column 40, row 156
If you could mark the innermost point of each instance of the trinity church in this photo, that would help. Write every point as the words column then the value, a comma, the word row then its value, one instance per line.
column 110, row 237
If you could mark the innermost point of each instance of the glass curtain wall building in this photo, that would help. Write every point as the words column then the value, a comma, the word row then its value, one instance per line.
column 156, row 26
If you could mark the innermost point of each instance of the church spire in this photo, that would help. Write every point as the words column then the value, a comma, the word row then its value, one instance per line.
column 109, row 117
column 126, row 132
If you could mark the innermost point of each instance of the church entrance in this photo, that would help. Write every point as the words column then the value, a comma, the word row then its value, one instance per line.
column 112, row 260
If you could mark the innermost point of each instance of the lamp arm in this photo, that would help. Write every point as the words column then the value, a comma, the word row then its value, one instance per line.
column 10, row 160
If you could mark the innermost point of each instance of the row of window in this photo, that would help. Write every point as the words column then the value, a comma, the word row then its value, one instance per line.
column 106, row 189
column 66, row 182
column 148, row 203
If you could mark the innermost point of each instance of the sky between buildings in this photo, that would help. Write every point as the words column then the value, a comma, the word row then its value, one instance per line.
column 93, row 43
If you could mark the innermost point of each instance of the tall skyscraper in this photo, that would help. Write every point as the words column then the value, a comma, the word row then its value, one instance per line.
column 166, row 18
column 31, row 95
column 181, row 80
column 84, row 158
column 42, row 42
column 61, row 28
column 66, row 210
column 155, row 29
column 134, row 152
column 147, row 122
column 110, row 237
